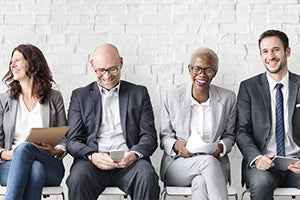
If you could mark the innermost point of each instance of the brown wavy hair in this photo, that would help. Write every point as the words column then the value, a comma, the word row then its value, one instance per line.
column 37, row 69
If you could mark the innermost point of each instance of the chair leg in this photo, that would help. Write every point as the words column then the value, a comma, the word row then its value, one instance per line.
column 163, row 195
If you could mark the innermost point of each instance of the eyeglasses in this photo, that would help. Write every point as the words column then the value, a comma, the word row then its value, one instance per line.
column 112, row 70
column 198, row 70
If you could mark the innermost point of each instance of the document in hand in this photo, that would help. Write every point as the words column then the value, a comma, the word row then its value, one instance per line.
column 196, row 144
column 51, row 135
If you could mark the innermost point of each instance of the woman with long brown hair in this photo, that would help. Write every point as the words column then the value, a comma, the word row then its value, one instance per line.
column 29, row 102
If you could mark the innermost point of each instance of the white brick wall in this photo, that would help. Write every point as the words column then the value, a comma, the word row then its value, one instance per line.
column 155, row 37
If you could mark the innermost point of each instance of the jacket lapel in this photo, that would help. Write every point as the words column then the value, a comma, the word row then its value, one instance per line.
column 45, row 113
column 293, row 92
column 123, row 101
column 264, row 91
column 96, row 105
column 217, row 111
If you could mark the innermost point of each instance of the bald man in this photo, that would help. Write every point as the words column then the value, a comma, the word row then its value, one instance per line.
column 106, row 115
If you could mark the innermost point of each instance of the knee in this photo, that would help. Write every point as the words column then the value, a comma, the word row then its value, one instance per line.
column 38, row 173
column 79, row 177
column 24, row 147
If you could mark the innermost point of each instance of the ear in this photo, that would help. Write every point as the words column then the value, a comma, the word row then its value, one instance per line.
column 92, row 63
column 288, row 51
column 121, row 62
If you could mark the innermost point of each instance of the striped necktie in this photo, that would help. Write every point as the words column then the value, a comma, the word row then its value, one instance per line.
column 280, row 148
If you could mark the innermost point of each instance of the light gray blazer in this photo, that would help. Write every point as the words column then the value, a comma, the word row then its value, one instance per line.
column 176, row 119
column 52, row 111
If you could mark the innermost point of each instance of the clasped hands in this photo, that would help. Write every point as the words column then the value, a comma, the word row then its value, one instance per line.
column 180, row 149
column 103, row 160
column 265, row 163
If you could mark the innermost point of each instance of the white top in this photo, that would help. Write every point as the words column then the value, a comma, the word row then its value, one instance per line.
column 110, row 135
column 291, row 148
column 25, row 120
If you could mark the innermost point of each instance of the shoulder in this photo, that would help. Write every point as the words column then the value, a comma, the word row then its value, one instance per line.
column 254, row 79
column 224, row 94
column 178, row 90
column 86, row 89
column 133, row 89
column 4, row 97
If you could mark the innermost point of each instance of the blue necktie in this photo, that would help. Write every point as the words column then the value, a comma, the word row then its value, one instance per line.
column 280, row 148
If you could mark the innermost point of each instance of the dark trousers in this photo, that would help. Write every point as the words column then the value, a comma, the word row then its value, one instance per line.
column 263, row 183
column 139, row 180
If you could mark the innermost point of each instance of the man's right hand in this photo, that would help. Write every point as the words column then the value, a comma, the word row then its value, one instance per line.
column 265, row 162
column 103, row 161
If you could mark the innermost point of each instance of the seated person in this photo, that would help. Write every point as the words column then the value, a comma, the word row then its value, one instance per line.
column 268, row 120
column 30, row 102
column 105, row 115
column 208, row 112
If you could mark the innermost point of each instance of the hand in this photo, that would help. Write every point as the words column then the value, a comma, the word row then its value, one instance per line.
column 129, row 158
column 49, row 148
column 179, row 148
column 218, row 151
column 265, row 162
column 103, row 161
column 7, row 155
column 295, row 167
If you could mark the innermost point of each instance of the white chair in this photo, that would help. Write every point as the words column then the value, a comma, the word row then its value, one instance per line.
column 114, row 191
column 187, row 191
column 292, row 192
column 47, row 191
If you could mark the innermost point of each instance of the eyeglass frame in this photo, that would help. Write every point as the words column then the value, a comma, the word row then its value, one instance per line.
column 203, row 69
column 102, row 71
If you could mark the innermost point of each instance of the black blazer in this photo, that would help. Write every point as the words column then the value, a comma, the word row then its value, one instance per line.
column 136, row 113
column 253, row 126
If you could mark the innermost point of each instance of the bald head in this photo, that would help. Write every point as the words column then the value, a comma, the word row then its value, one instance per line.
column 204, row 54
column 106, row 51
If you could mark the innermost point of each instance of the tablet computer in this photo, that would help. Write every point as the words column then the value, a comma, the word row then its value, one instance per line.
column 282, row 162
column 51, row 135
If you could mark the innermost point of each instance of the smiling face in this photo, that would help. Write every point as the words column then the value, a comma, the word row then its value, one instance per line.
column 18, row 66
column 201, row 80
column 274, row 56
column 107, row 65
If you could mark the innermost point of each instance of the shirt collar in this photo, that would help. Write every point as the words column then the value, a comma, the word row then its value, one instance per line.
column 284, row 81
column 104, row 91
column 194, row 102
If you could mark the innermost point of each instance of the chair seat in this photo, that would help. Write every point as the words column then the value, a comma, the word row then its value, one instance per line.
column 54, row 190
column 187, row 191
column 292, row 192
column 113, row 191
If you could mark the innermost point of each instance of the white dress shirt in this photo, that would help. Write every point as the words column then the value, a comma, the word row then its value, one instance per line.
column 110, row 135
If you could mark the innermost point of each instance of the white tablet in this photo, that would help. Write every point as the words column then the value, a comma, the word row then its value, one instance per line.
column 51, row 135
column 282, row 162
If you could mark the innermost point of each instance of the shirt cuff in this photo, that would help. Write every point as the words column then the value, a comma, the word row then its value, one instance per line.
column 138, row 154
column 224, row 149
column 252, row 163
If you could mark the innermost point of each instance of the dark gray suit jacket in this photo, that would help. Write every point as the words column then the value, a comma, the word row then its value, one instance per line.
column 136, row 114
column 253, row 125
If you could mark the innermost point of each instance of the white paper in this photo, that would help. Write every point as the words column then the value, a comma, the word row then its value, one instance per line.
column 196, row 144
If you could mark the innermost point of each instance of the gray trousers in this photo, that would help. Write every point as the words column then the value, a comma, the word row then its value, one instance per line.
column 203, row 173
column 87, row 182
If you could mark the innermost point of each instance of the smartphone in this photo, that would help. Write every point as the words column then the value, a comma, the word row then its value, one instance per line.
column 117, row 155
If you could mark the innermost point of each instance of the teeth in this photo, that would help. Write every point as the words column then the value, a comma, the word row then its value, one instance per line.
column 200, row 81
